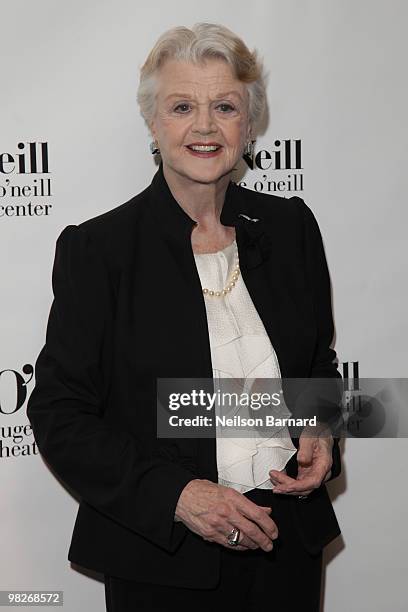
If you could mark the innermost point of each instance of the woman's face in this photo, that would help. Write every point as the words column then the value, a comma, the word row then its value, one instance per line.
column 200, row 105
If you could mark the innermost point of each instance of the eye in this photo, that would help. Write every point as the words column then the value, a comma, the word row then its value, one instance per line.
column 225, row 107
column 183, row 106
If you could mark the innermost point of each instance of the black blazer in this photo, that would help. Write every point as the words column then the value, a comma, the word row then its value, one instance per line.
column 128, row 308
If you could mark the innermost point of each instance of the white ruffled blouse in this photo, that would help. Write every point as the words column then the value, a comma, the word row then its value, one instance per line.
column 240, row 348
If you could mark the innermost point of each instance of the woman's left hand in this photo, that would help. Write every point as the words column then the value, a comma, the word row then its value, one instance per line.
column 314, row 463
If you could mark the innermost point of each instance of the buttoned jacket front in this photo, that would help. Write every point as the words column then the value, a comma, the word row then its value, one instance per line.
column 128, row 308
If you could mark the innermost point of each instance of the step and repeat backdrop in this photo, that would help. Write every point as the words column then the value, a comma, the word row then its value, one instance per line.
column 73, row 145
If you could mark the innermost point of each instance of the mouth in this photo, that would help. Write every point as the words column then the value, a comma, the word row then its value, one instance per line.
column 204, row 150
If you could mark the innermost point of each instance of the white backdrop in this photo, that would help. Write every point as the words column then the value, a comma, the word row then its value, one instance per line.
column 338, row 84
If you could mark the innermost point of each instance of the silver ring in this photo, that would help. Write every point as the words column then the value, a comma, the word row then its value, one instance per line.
column 233, row 537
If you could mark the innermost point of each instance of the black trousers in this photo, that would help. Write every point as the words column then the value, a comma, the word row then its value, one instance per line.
column 285, row 579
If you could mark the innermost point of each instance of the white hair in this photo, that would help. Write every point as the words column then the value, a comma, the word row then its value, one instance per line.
column 202, row 42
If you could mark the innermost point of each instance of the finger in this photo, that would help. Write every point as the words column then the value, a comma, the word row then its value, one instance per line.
column 300, row 486
column 286, row 483
column 307, row 478
column 280, row 478
column 318, row 469
column 306, row 450
column 315, row 473
column 244, row 540
column 252, row 536
column 262, row 537
column 219, row 528
column 219, row 525
column 260, row 527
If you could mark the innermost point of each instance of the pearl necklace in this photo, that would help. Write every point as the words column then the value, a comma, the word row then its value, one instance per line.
column 230, row 285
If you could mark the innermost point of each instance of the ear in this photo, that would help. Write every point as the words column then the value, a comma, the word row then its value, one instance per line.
column 153, row 134
column 152, row 128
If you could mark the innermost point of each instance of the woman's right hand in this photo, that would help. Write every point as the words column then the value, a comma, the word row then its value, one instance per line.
column 212, row 511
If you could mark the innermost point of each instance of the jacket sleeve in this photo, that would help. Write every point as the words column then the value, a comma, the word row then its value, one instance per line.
column 107, row 468
column 327, row 391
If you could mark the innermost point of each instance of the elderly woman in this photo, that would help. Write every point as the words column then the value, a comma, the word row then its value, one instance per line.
column 192, row 277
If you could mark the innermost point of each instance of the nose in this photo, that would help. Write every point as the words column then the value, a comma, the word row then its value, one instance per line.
column 203, row 121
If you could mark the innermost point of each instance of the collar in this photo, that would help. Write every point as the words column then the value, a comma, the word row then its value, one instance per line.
column 238, row 210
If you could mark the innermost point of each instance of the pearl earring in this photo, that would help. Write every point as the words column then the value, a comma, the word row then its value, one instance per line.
column 154, row 149
column 249, row 149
